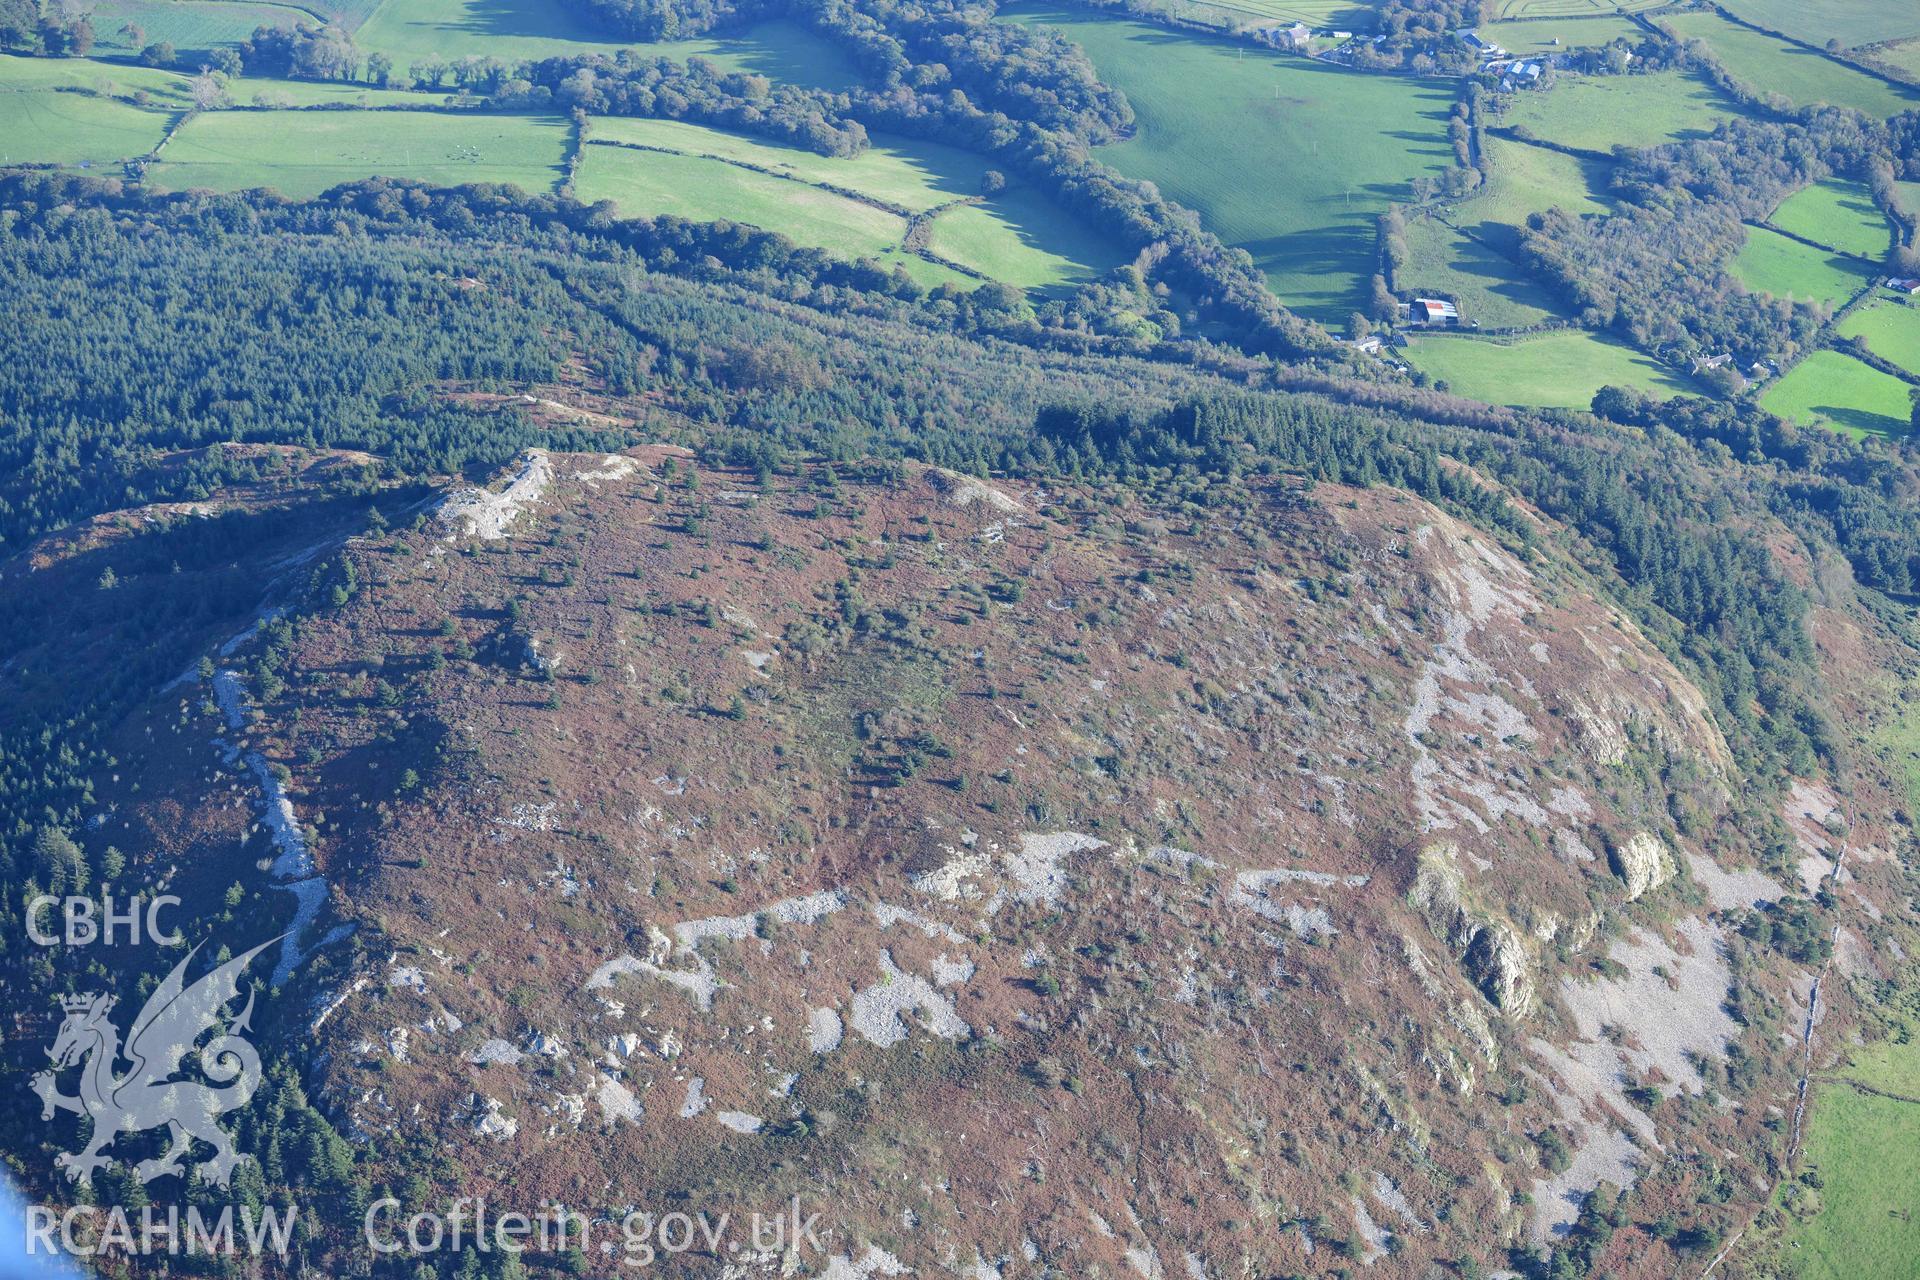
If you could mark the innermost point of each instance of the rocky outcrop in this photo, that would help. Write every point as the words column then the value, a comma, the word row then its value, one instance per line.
column 1496, row 960
column 1643, row 864
column 1490, row 950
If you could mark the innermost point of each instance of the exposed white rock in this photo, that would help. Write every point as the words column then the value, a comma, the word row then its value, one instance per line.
column 483, row 514
column 1728, row 890
column 1496, row 960
column 824, row 1031
column 489, row 1122
column 879, row 1011
column 1035, row 869
column 1643, row 863
column 949, row 882
column 617, row 1102
column 500, row 1053
column 874, row 1261
column 740, row 1121
column 965, row 491
column 947, row 973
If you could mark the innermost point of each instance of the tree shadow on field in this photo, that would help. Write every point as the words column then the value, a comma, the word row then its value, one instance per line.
column 508, row 18
column 1860, row 420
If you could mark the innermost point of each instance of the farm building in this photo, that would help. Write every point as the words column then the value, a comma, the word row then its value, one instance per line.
column 1899, row 285
column 1435, row 311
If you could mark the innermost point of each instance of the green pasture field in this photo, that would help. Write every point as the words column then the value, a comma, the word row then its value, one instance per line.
column 302, row 153
column 1286, row 158
column 188, row 24
column 1574, row 31
column 912, row 174
column 1503, row 9
column 1899, row 738
column 1018, row 237
column 1851, row 22
column 1866, row 1149
column 1835, row 390
column 1891, row 330
column 1486, row 285
column 1798, row 74
column 1840, row 215
column 1889, row 1065
column 171, row 88
column 111, row 79
column 75, row 130
column 1525, row 180
column 1561, row 369
column 1022, row 239
column 1771, row 263
column 1598, row 113
column 351, row 14
column 1322, row 15
column 1905, row 55
column 245, row 92
column 414, row 31
column 648, row 184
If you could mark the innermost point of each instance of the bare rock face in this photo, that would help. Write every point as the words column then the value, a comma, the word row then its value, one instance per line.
column 1436, row 893
column 1496, row 960
column 1490, row 950
column 1643, row 863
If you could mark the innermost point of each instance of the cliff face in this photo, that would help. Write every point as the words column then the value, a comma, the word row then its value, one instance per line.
column 1024, row 877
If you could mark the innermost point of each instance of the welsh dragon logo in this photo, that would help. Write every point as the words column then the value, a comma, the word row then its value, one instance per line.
column 146, row 1096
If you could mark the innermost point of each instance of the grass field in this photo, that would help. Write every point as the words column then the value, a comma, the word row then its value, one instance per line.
column 1285, row 158
column 1889, row 1065
column 1597, row 113
column 187, row 24
column 150, row 86
column 1850, row 22
column 648, row 184
column 644, row 184
column 412, row 31
column 912, row 174
column 1022, row 239
column 245, row 92
column 1899, row 737
column 1892, row 330
column 1835, row 390
column 351, row 14
column 1561, row 369
column 1771, row 263
column 302, row 153
column 1568, row 8
column 1486, row 285
column 1905, row 55
column 74, row 130
column 1867, row 1151
column 1339, row 15
column 18, row 74
column 1530, row 180
column 1798, row 74
column 1841, row 215
column 1535, row 37
column 1017, row 237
